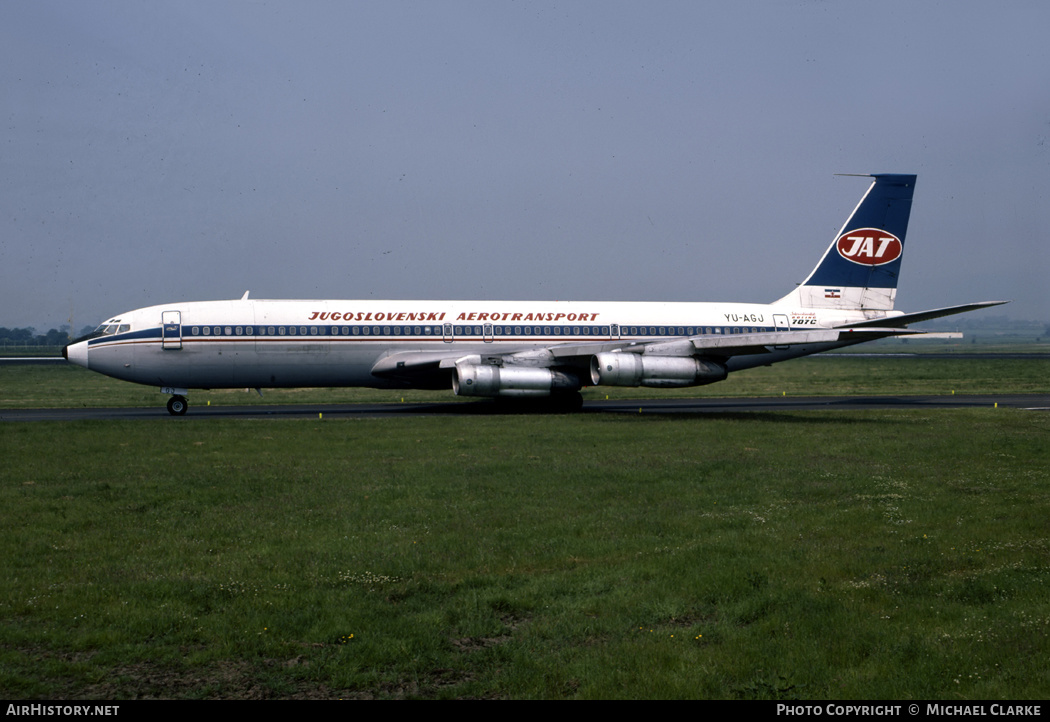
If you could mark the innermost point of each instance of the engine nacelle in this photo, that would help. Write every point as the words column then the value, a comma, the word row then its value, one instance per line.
column 486, row 380
column 633, row 369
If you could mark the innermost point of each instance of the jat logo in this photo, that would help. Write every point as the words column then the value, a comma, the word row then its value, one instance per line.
column 869, row 246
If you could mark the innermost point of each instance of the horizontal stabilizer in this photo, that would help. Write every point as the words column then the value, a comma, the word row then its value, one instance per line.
column 924, row 315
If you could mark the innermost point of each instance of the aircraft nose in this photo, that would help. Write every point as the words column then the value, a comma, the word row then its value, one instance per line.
column 76, row 353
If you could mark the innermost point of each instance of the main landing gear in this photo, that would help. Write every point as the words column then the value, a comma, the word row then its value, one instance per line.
column 565, row 402
column 177, row 405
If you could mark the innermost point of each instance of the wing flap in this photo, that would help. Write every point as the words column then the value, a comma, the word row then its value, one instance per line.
column 408, row 361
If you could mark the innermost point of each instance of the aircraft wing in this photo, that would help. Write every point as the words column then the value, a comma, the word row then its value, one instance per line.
column 433, row 369
column 724, row 346
column 422, row 369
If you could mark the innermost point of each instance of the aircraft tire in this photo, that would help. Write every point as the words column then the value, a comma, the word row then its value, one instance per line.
column 561, row 403
column 568, row 402
column 177, row 405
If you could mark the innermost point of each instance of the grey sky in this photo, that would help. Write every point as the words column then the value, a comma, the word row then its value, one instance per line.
column 153, row 152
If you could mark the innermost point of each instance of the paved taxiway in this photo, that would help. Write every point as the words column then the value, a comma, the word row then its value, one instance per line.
column 1036, row 402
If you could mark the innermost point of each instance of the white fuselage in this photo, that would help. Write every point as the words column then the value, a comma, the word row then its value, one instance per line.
column 271, row 343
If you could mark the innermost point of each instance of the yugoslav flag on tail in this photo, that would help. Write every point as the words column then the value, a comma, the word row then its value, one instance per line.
column 859, row 270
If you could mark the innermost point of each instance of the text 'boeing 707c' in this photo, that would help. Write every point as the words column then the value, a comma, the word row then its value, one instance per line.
column 514, row 348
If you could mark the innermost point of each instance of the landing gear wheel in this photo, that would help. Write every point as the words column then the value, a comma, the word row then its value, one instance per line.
column 559, row 403
column 177, row 405
column 567, row 402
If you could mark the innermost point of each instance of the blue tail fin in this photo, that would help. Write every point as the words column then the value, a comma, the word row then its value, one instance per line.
column 860, row 268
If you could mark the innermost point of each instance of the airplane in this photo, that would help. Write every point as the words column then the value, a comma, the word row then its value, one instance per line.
column 520, row 349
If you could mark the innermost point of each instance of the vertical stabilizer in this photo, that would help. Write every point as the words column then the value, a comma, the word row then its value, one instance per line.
column 859, row 270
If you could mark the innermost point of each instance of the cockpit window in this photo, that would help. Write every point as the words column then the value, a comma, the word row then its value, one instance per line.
column 111, row 327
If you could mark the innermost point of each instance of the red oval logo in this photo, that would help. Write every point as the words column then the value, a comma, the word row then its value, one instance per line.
column 870, row 246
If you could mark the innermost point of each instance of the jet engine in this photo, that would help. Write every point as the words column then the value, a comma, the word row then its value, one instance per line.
column 632, row 369
column 487, row 380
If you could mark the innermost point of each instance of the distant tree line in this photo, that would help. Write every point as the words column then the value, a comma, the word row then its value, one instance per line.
column 986, row 322
column 29, row 337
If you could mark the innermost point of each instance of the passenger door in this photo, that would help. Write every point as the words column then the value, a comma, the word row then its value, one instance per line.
column 171, row 330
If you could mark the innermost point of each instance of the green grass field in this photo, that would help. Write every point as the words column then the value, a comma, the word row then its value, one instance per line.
column 799, row 555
